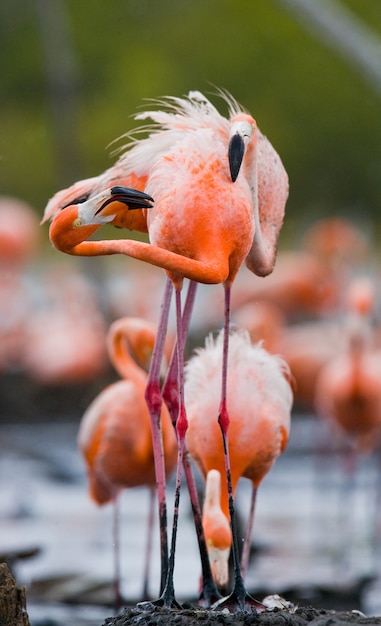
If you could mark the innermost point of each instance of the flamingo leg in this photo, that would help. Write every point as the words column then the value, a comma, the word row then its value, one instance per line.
column 170, row 388
column 167, row 598
column 118, row 600
column 154, row 402
column 147, row 560
column 247, row 542
column 239, row 598
column 209, row 592
column 347, row 492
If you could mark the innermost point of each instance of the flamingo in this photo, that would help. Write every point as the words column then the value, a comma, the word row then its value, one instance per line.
column 19, row 234
column 348, row 393
column 259, row 411
column 135, row 220
column 115, row 433
column 19, row 242
column 220, row 191
column 310, row 281
column 65, row 339
column 306, row 345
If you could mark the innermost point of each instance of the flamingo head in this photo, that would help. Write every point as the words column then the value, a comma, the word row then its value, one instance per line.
column 67, row 231
column 241, row 133
column 217, row 530
column 77, row 222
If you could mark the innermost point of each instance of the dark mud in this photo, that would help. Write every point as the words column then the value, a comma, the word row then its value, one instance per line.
column 151, row 615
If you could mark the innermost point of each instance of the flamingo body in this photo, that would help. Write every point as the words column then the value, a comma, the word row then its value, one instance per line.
column 348, row 391
column 213, row 225
column 115, row 442
column 259, row 405
column 19, row 233
column 115, row 431
column 203, row 226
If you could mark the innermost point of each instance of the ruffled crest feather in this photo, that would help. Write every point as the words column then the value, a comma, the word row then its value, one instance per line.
column 175, row 117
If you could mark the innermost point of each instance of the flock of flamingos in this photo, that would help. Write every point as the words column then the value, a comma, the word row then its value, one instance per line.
column 295, row 329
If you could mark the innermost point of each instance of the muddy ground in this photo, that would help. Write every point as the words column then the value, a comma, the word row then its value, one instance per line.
column 150, row 615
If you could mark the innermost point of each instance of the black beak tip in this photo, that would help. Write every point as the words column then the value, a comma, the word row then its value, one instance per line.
column 236, row 152
column 133, row 198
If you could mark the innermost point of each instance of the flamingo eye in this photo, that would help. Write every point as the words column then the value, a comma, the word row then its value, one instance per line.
column 77, row 223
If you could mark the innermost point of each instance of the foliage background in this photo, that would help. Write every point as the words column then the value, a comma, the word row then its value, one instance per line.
column 74, row 71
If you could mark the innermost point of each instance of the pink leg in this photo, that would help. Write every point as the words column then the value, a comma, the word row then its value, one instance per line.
column 209, row 592
column 154, row 403
column 239, row 597
column 168, row 596
column 118, row 600
column 170, row 388
column 145, row 593
column 249, row 528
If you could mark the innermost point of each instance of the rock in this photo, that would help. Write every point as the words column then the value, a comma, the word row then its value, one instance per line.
column 12, row 600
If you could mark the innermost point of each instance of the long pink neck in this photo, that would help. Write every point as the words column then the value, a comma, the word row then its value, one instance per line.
column 122, row 360
column 177, row 265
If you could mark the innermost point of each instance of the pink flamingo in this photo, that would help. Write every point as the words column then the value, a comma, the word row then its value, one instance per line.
column 136, row 220
column 115, row 433
column 220, row 191
column 19, row 243
column 260, row 414
column 64, row 341
column 348, row 392
column 310, row 281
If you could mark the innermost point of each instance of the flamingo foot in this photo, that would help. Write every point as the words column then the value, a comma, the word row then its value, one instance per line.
column 239, row 600
column 209, row 595
column 236, row 602
column 168, row 603
column 166, row 600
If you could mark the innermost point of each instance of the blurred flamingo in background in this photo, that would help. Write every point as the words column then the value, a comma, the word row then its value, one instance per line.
column 19, row 232
column 115, row 431
column 19, row 242
column 135, row 289
column 65, row 338
column 309, row 282
column 220, row 191
column 259, row 406
column 305, row 345
column 339, row 242
column 348, row 390
column 348, row 399
column 264, row 322
column 297, row 311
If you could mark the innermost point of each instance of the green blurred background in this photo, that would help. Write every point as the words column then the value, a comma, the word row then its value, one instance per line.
column 73, row 72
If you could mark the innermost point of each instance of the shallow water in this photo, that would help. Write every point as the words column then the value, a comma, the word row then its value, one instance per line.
column 307, row 536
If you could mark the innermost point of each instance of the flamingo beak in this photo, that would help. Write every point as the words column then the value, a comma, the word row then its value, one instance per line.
column 132, row 198
column 240, row 135
column 103, row 207
column 219, row 560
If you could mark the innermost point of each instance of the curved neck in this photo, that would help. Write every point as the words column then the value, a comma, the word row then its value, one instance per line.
column 120, row 354
column 268, row 208
column 261, row 256
column 178, row 266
